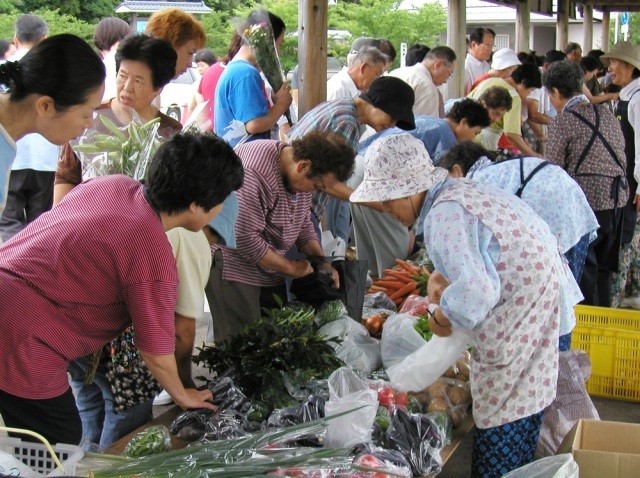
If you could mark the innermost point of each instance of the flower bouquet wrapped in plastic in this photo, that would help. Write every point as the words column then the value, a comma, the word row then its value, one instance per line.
column 126, row 150
column 259, row 37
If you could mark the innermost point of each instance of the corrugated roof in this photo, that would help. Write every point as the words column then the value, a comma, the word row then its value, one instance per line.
column 150, row 6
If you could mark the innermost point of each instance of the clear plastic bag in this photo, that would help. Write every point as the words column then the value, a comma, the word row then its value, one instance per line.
column 399, row 339
column 330, row 311
column 450, row 396
column 347, row 391
column 379, row 300
column 424, row 366
column 419, row 439
column 311, row 409
column 153, row 440
column 415, row 305
column 358, row 349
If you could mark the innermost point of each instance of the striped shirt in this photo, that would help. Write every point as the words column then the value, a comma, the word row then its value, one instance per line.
column 77, row 276
column 337, row 116
column 269, row 218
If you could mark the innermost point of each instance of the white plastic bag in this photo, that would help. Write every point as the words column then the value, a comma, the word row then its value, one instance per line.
column 399, row 339
column 557, row 466
column 347, row 391
column 424, row 366
column 333, row 246
column 358, row 349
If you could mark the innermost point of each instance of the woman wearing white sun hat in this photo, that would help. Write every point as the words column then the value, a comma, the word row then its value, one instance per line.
column 499, row 270
column 623, row 62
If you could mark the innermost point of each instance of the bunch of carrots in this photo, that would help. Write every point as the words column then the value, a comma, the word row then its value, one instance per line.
column 403, row 280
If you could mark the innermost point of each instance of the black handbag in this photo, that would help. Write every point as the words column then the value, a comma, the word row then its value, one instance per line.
column 315, row 288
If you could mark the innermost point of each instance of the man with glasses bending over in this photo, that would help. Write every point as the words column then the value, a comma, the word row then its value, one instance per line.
column 481, row 45
column 425, row 77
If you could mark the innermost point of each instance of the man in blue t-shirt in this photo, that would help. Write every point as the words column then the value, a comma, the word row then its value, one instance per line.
column 241, row 109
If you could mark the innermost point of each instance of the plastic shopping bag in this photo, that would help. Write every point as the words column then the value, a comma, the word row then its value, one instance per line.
column 558, row 466
column 399, row 339
column 347, row 391
column 424, row 366
column 358, row 349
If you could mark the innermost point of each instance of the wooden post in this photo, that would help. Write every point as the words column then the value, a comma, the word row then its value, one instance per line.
column 456, row 39
column 587, row 28
column 523, row 26
column 562, row 25
column 312, row 53
column 606, row 26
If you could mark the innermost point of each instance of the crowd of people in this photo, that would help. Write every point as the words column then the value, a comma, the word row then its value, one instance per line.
column 523, row 193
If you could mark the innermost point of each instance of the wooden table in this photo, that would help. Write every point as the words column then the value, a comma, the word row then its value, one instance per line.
column 167, row 418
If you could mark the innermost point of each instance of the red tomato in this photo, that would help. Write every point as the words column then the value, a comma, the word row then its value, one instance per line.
column 387, row 396
column 402, row 400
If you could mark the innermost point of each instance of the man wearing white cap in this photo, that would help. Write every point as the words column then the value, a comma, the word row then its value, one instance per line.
column 623, row 62
column 497, row 275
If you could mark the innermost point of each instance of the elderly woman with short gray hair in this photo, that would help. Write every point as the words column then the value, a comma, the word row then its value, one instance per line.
column 586, row 141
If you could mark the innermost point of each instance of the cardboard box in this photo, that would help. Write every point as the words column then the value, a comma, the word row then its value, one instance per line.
column 604, row 449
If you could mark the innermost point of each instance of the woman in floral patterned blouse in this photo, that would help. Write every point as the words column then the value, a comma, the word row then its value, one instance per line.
column 500, row 267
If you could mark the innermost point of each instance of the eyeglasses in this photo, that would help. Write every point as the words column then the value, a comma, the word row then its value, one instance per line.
column 490, row 47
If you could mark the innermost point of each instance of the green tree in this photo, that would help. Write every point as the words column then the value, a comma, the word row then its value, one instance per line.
column 58, row 23
column 88, row 11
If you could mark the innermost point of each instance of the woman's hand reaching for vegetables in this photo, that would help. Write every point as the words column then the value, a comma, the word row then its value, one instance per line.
column 439, row 324
column 436, row 286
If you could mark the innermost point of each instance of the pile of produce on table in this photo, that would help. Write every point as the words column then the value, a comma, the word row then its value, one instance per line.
column 275, row 389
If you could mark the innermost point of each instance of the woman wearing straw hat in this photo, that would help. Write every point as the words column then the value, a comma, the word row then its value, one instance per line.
column 623, row 62
column 498, row 268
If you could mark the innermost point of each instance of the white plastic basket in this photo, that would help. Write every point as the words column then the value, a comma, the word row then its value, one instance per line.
column 37, row 456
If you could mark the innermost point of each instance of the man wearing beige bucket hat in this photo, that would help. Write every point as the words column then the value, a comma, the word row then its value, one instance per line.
column 497, row 275
column 623, row 62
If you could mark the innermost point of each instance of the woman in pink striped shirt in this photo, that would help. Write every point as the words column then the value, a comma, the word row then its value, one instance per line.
column 274, row 215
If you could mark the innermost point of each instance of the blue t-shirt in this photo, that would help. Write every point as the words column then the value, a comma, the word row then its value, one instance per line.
column 435, row 133
column 239, row 99
column 7, row 154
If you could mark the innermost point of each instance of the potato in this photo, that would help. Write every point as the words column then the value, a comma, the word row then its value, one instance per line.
column 438, row 389
column 457, row 416
column 459, row 395
column 462, row 377
column 463, row 367
column 450, row 372
column 437, row 405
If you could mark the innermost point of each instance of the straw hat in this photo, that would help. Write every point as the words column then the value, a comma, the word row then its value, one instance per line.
column 396, row 166
column 625, row 51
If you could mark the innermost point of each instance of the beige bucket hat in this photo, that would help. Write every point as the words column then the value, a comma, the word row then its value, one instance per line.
column 625, row 51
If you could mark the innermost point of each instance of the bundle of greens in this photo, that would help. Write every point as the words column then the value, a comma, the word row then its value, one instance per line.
column 273, row 353
column 123, row 151
column 243, row 457
column 260, row 38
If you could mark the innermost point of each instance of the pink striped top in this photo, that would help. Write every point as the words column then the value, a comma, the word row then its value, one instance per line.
column 269, row 217
column 75, row 277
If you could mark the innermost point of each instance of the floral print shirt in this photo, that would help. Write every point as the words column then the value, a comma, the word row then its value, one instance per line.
column 505, row 286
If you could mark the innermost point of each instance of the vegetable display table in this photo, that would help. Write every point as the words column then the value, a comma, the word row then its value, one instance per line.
column 167, row 418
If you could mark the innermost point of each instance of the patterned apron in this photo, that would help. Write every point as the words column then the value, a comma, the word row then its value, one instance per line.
column 515, row 358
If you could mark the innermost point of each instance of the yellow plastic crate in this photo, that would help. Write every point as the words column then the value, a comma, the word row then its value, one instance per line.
column 611, row 338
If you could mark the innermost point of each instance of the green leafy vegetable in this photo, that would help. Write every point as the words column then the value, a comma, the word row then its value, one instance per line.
column 149, row 442
column 282, row 347
column 422, row 327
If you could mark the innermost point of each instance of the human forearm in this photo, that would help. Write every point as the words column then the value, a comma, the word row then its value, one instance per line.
column 264, row 123
column 291, row 268
column 519, row 142
column 164, row 369
column 185, row 339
